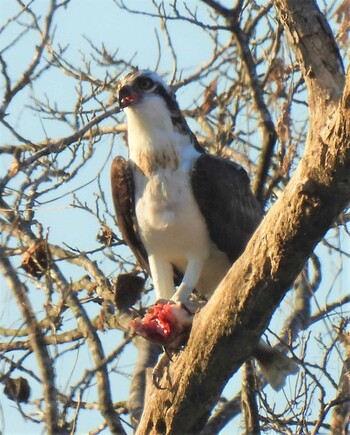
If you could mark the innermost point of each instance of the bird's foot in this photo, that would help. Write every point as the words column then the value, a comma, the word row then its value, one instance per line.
column 167, row 324
column 159, row 368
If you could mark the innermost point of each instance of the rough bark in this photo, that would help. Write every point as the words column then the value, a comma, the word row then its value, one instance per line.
column 226, row 331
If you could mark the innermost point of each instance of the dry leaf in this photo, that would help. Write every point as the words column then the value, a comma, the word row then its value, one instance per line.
column 17, row 389
column 128, row 288
column 37, row 259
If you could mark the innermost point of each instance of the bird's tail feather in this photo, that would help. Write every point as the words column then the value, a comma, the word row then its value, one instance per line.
column 274, row 365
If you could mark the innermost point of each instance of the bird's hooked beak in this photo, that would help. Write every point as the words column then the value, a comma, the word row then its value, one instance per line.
column 128, row 96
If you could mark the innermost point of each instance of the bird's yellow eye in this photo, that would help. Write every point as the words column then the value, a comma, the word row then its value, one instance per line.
column 145, row 83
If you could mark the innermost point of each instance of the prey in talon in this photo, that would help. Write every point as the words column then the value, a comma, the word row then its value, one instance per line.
column 167, row 324
column 187, row 215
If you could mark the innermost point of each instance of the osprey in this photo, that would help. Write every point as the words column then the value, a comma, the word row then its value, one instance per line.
column 185, row 214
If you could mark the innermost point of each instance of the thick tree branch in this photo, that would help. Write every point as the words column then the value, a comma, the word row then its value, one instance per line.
column 235, row 317
column 316, row 52
column 233, row 320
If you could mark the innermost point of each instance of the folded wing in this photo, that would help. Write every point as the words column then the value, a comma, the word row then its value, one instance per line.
column 231, row 211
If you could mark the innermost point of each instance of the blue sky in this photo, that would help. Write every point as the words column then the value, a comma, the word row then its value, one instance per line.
column 134, row 36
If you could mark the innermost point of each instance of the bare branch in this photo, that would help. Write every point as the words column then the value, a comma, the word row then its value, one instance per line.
column 341, row 410
column 37, row 343
column 249, row 400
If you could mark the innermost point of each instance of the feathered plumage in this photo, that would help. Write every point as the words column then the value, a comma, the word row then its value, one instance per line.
column 178, row 207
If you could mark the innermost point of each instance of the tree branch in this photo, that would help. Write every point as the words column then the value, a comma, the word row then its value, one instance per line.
column 37, row 344
column 235, row 317
column 268, row 131
column 316, row 51
column 249, row 400
column 223, row 415
column 341, row 411
column 89, row 332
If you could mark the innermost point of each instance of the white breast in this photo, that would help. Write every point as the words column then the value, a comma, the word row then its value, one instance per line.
column 170, row 223
column 173, row 228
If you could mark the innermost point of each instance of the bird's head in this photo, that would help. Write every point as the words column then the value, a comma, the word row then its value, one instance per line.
column 144, row 90
column 139, row 85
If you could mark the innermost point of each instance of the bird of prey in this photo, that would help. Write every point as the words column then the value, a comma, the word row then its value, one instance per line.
column 185, row 214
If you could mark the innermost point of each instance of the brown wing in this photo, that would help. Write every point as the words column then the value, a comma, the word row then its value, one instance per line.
column 231, row 211
column 123, row 197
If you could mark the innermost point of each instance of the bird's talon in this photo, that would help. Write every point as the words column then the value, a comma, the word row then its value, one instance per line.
column 158, row 371
column 164, row 302
column 168, row 354
column 191, row 307
column 156, row 381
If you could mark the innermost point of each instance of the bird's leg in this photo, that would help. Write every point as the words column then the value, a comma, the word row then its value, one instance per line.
column 162, row 275
column 192, row 274
column 169, row 322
